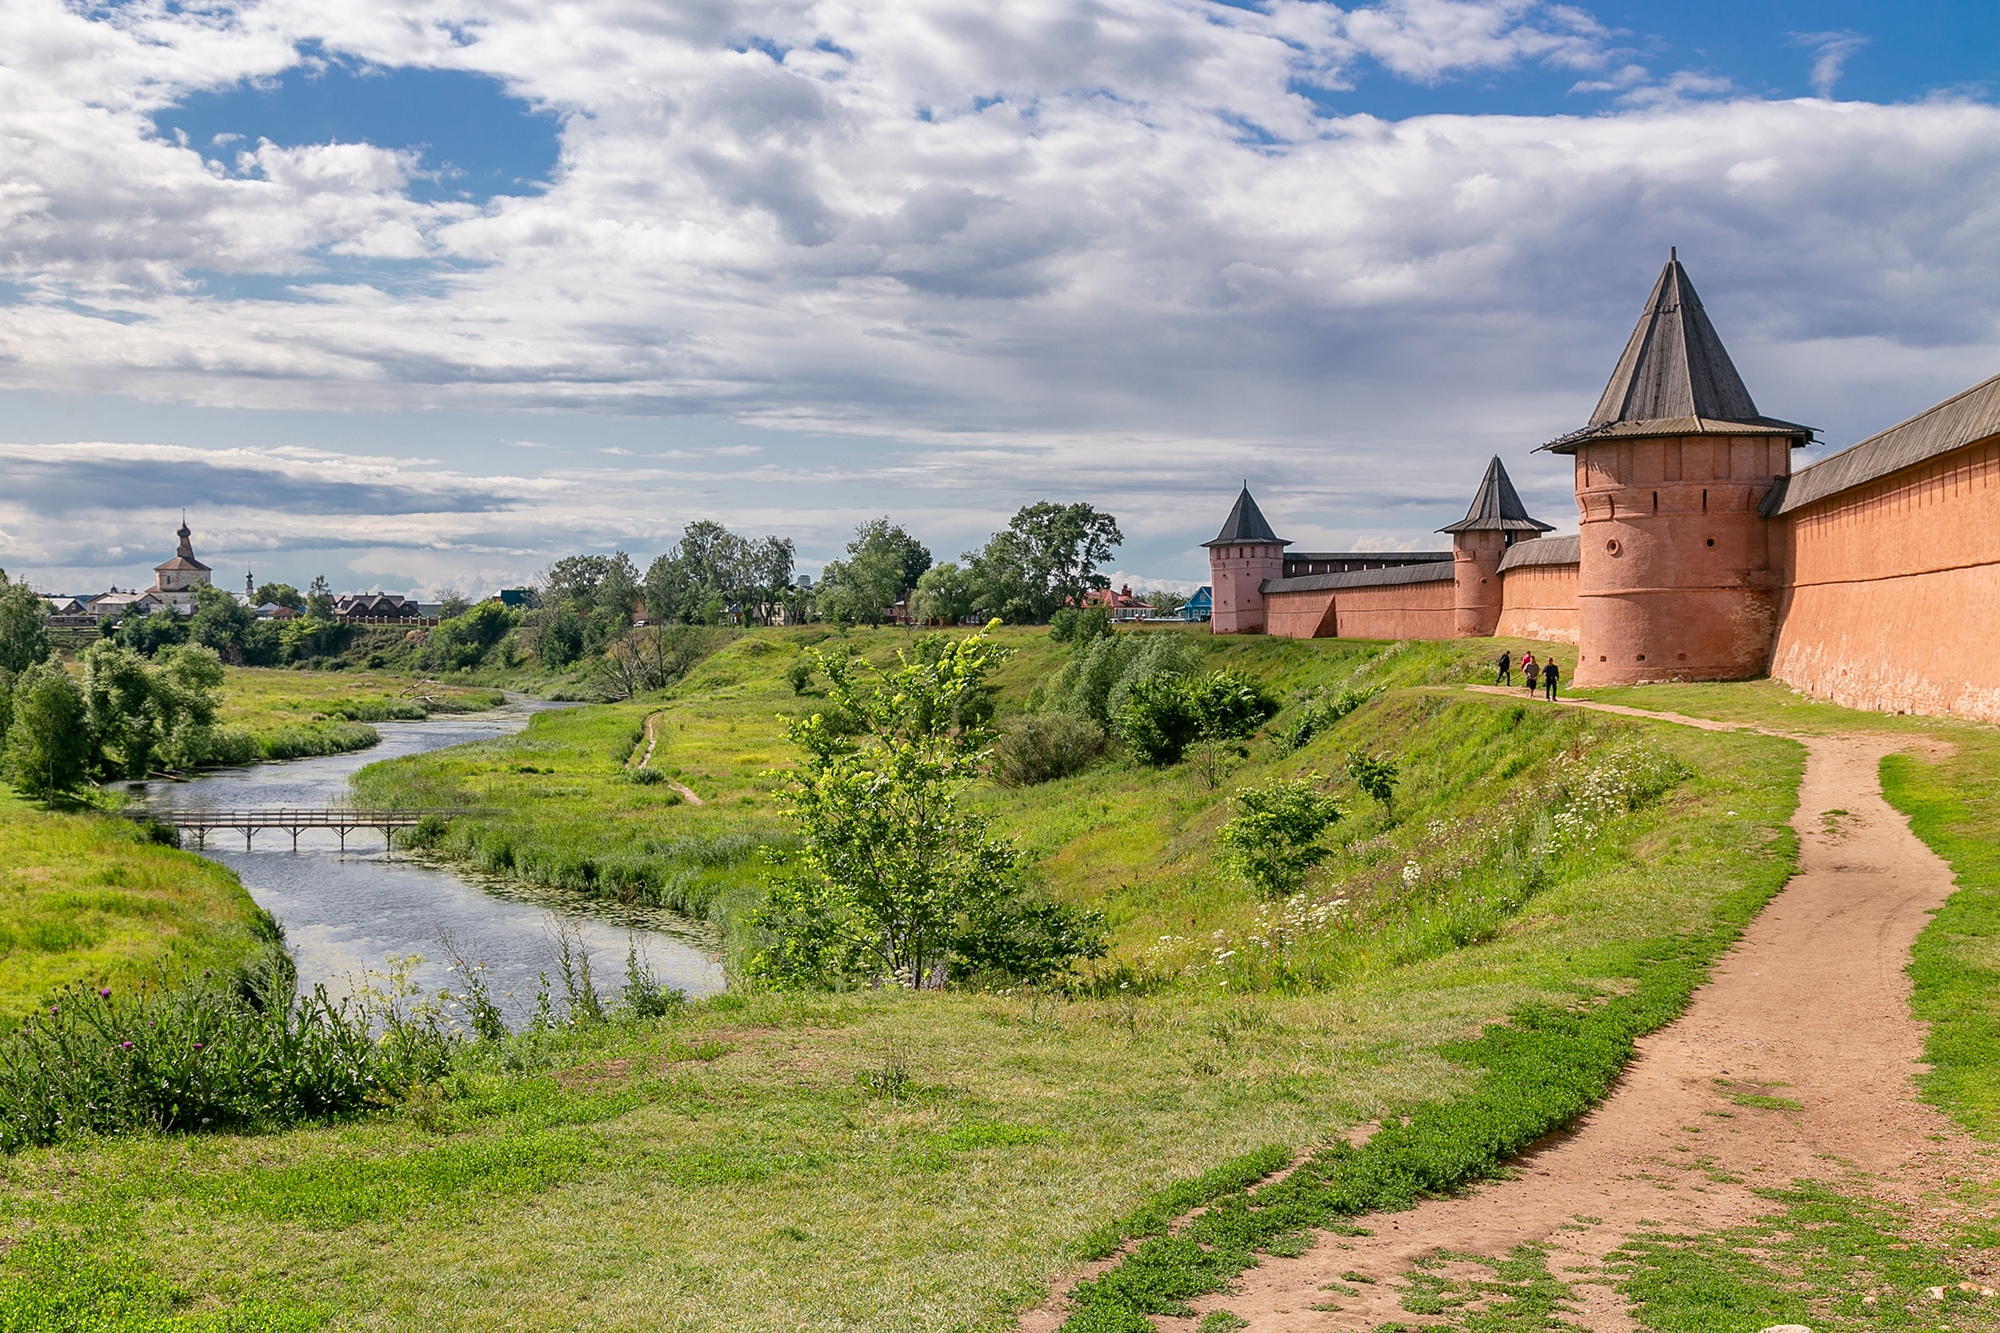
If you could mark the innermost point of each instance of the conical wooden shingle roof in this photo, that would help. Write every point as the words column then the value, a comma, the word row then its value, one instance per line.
column 1246, row 525
column 1497, row 507
column 1676, row 377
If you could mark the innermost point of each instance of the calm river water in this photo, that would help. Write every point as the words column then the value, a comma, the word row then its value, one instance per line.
column 346, row 913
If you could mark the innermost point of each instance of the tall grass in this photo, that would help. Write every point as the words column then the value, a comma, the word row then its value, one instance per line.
column 202, row 1056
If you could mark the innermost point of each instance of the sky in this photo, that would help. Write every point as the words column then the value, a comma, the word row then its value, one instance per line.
column 429, row 293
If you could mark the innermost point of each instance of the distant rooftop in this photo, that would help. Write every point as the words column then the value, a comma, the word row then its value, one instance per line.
column 1497, row 507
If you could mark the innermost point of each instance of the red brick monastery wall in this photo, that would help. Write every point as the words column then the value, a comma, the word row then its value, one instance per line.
column 1892, row 588
column 1539, row 602
column 1299, row 615
column 1396, row 611
column 1393, row 611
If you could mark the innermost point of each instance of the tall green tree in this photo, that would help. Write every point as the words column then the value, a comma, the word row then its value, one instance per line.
column 1047, row 558
column 895, row 879
column 883, row 564
column 48, row 741
column 278, row 594
column 222, row 623
column 944, row 592
column 24, row 630
column 319, row 600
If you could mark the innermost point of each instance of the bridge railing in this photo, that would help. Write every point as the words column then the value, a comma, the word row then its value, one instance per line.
column 289, row 817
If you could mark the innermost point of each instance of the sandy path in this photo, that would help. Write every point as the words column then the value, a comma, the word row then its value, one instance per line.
column 652, row 740
column 1812, row 1006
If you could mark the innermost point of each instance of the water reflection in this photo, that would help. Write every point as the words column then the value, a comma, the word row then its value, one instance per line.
column 345, row 914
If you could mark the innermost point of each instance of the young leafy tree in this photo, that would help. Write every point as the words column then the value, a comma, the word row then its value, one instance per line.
column 1376, row 777
column 895, row 879
column 222, row 623
column 1275, row 837
column 24, row 631
column 118, row 703
column 48, row 741
column 319, row 599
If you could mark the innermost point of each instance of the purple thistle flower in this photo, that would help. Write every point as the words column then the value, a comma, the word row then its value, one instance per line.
column 104, row 994
column 125, row 1045
column 197, row 1046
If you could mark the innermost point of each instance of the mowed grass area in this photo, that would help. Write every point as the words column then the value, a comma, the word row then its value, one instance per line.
column 87, row 898
column 937, row 1160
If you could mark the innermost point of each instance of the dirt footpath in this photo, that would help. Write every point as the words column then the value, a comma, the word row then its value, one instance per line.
column 1811, row 1008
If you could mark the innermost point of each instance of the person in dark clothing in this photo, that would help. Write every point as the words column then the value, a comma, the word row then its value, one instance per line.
column 1530, row 670
column 1551, row 673
column 1506, row 676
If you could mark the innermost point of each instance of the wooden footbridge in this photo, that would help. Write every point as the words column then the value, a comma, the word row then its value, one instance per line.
column 341, row 819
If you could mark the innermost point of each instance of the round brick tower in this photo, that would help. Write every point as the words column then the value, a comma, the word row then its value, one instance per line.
column 1676, row 575
column 1243, row 555
column 1496, row 520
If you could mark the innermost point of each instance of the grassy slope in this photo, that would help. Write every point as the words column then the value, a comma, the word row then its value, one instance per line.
column 85, row 898
column 761, row 1186
column 1954, row 806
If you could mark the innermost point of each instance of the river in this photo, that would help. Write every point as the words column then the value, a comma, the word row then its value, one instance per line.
column 347, row 913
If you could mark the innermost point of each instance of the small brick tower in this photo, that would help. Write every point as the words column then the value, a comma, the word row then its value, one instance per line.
column 1496, row 520
column 1244, row 554
column 1676, row 577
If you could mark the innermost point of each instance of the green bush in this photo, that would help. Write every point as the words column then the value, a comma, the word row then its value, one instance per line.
column 1161, row 715
column 1044, row 746
column 1079, row 624
column 208, row 1056
column 1275, row 837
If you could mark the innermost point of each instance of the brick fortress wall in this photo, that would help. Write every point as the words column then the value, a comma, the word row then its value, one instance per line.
column 1892, row 587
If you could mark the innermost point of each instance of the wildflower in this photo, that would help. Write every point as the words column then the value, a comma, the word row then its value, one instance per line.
column 104, row 994
column 124, row 1045
column 197, row 1046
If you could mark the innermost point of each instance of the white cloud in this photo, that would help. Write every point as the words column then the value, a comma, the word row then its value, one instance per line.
column 1103, row 246
column 1830, row 52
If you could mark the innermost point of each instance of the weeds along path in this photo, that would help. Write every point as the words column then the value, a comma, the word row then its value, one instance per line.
column 652, row 741
column 1796, row 1061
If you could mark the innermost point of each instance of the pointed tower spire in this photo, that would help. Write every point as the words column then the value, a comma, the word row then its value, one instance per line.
column 1675, row 377
column 1245, row 524
column 1497, row 507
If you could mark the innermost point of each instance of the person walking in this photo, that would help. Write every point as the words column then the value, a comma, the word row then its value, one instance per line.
column 1551, row 673
column 1506, row 676
column 1529, row 669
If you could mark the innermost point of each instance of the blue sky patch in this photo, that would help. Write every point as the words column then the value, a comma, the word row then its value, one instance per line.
column 476, row 140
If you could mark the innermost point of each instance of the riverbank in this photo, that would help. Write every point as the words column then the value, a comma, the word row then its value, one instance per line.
column 287, row 714
column 91, row 898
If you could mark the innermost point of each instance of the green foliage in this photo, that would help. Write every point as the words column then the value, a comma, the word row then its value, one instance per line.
column 1041, row 747
column 1275, row 837
column 1079, row 624
column 278, row 594
column 1376, row 777
column 1102, row 672
column 201, row 1057
column 944, row 594
column 883, row 563
column 466, row 643
column 1045, row 560
column 894, row 880
column 1162, row 715
column 147, row 635
column 712, row 566
column 47, row 756
column 799, row 674
column 1319, row 711
column 319, row 600
column 1819, row 1253
column 24, row 631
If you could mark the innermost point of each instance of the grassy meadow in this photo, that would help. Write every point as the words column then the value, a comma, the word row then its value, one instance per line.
column 299, row 714
column 87, row 898
column 937, row 1160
